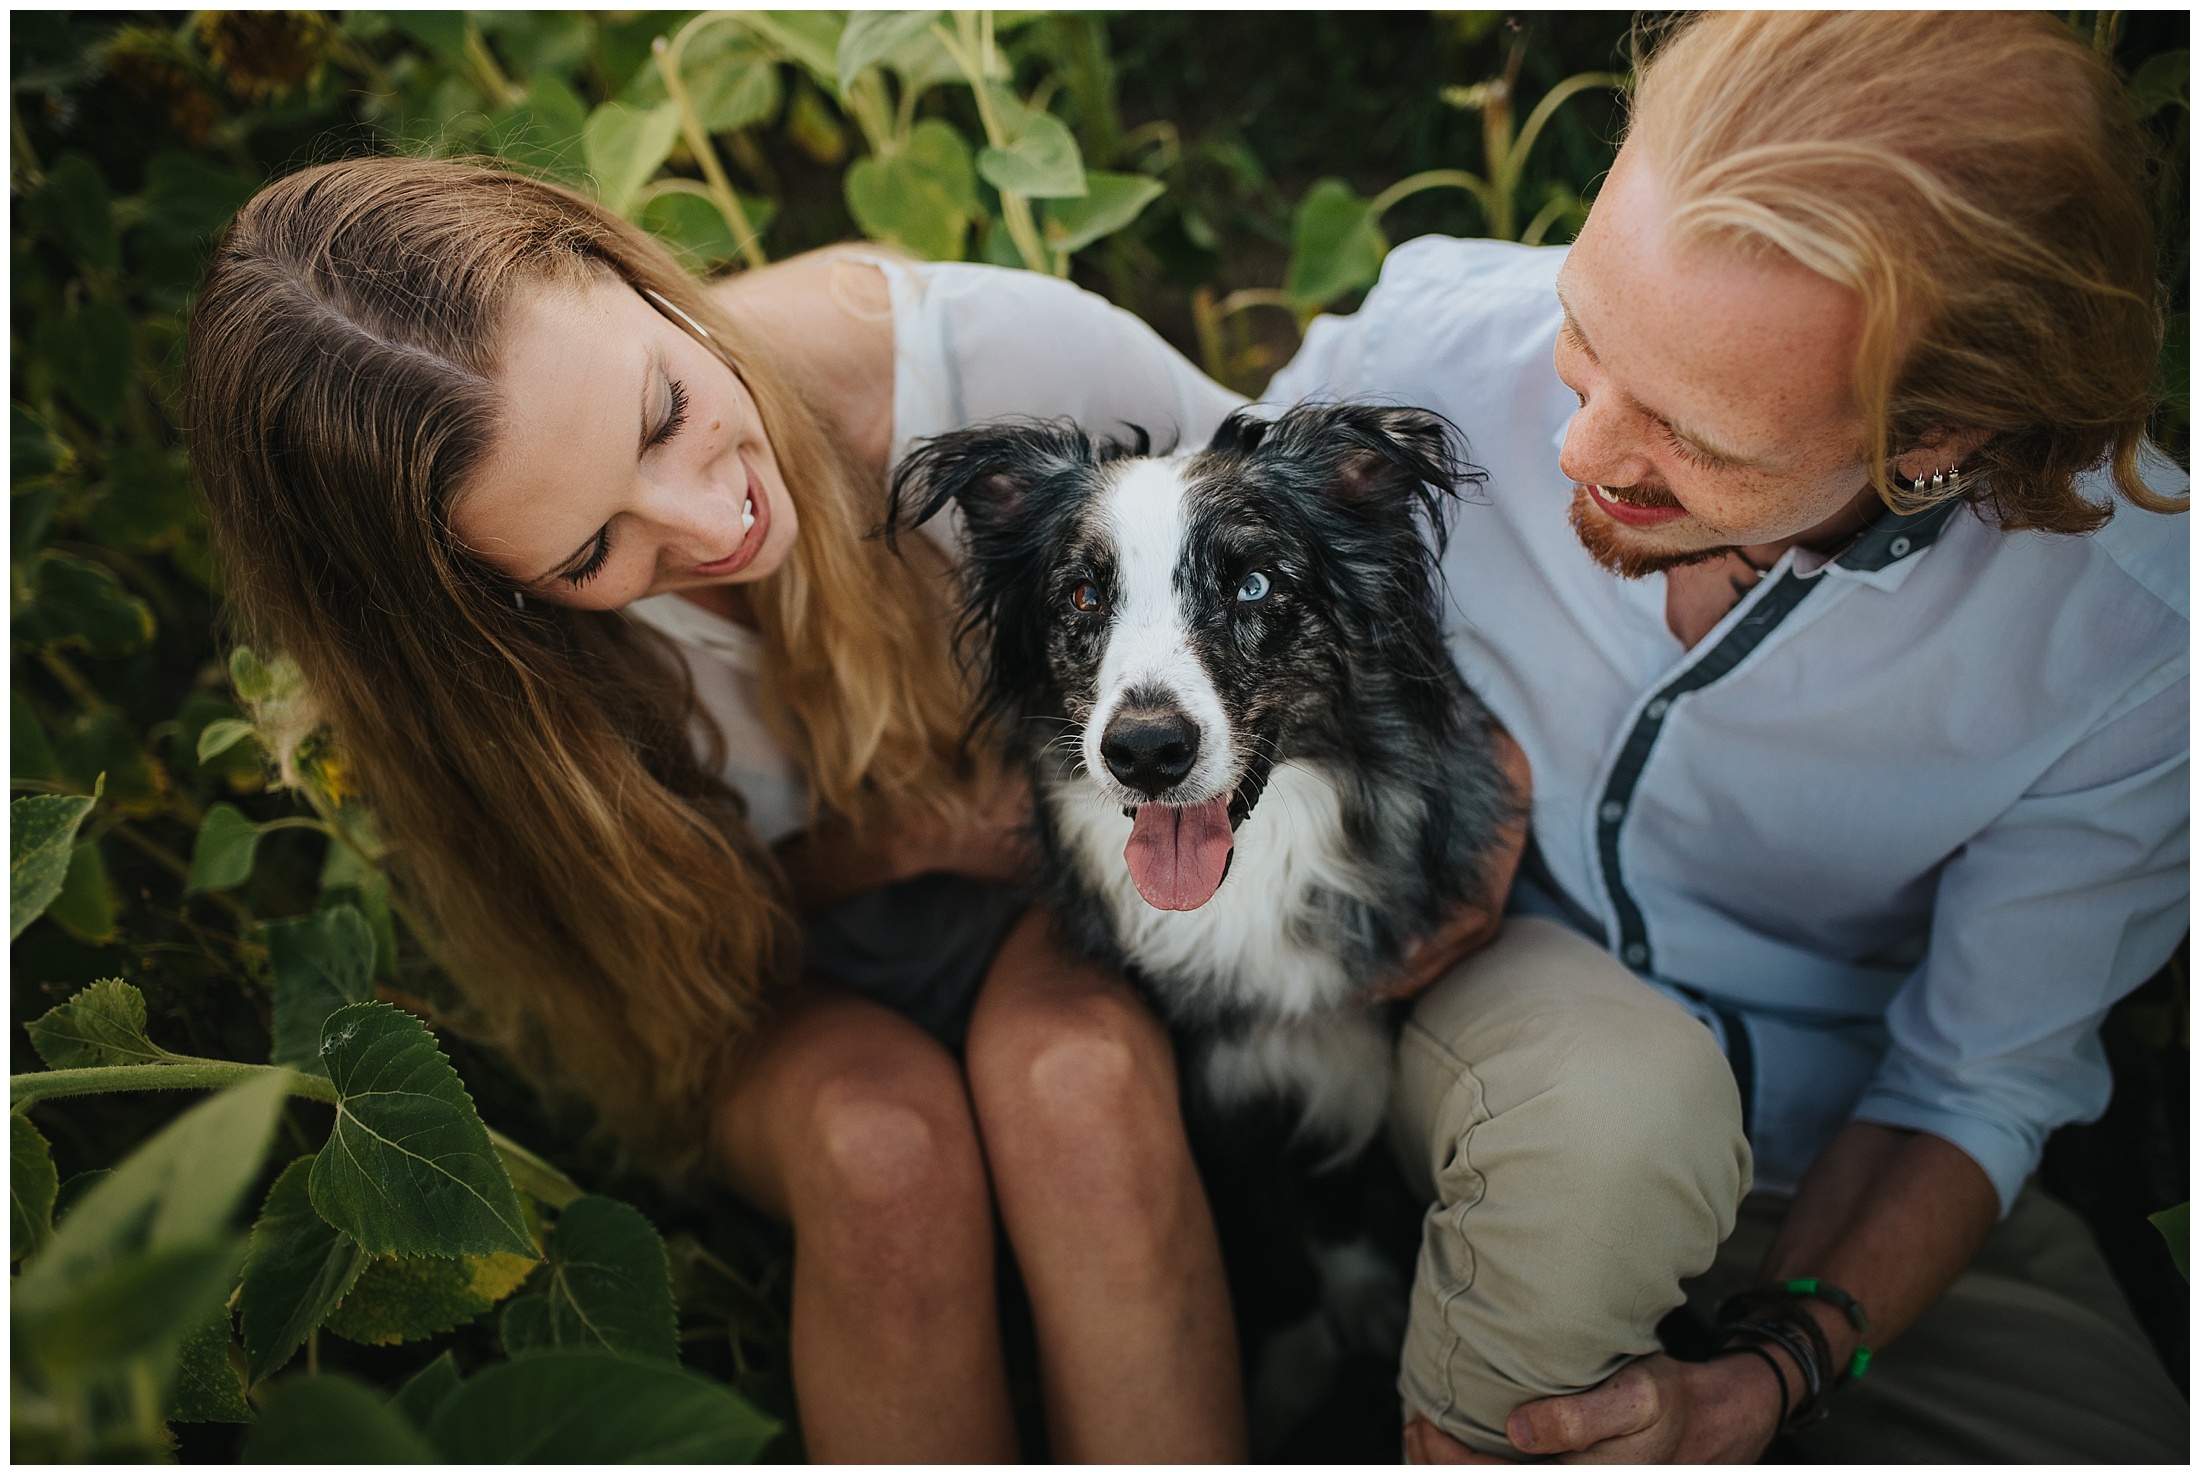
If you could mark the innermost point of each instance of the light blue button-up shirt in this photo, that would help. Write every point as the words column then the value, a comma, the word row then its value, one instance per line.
column 1900, row 829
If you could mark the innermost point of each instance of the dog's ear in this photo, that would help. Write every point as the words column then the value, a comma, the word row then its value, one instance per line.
column 1375, row 457
column 987, row 470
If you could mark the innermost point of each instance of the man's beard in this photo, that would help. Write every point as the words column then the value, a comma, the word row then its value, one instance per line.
column 1602, row 537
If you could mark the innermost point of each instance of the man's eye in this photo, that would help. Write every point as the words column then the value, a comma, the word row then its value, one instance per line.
column 1085, row 598
column 1255, row 588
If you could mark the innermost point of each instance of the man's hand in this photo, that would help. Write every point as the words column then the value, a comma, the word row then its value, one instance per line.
column 1475, row 923
column 1653, row 1411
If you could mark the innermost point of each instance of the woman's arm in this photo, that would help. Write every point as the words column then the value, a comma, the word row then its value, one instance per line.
column 830, row 862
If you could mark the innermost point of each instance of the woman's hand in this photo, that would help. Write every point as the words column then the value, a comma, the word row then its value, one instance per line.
column 1473, row 924
column 1656, row 1410
column 988, row 840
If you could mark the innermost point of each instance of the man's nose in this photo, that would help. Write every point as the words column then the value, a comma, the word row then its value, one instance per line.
column 1603, row 447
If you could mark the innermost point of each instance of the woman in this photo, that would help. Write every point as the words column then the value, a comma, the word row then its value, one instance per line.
column 577, row 558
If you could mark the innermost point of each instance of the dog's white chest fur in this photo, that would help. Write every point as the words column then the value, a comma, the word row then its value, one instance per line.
column 1258, row 945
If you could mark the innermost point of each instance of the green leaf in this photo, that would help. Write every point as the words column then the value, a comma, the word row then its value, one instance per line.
column 223, row 856
column 691, row 225
column 178, row 1189
column 208, row 1389
column 741, row 90
column 72, row 210
column 922, row 197
column 609, row 1285
column 1041, row 162
column 406, row 1299
column 872, row 35
column 1110, row 202
column 41, row 838
column 29, row 754
column 256, row 681
column 136, row 1310
column 425, row 1390
column 296, row 1272
column 808, row 38
column 32, row 1184
column 88, row 346
column 220, row 735
column 332, row 1421
column 81, row 604
column 585, row 1407
column 408, row 1169
column 104, row 1024
column 623, row 147
column 2161, row 80
column 319, row 963
column 146, row 502
column 1336, row 246
column 543, row 131
column 2176, row 1227
column 189, row 197
column 86, row 906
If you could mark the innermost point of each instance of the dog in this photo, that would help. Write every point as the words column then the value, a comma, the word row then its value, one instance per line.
column 1258, row 778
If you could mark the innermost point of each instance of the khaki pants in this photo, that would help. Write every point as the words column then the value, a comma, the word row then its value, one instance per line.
column 1580, row 1139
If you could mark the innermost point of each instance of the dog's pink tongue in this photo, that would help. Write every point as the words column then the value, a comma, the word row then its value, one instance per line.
column 1177, row 855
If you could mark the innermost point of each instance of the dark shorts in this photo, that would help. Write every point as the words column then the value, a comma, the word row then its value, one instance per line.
column 921, row 947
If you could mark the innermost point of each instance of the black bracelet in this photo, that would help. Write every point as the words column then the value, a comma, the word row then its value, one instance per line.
column 1773, row 1299
column 1809, row 1359
column 1779, row 1378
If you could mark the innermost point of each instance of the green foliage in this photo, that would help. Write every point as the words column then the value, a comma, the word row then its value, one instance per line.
column 32, row 1184
column 586, row 1407
column 104, row 1025
column 331, row 1421
column 297, row 1270
column 2176, row 1227
column 607, row 1285
column 41, row 840
column 318, row 964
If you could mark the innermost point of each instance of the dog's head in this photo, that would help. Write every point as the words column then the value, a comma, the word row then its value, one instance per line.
column 1183, row 616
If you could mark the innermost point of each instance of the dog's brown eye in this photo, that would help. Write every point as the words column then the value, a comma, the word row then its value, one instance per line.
column 1085, row 598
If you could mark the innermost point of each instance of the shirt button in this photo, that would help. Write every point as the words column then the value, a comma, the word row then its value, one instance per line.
column 1612, row 812
column 1657, row 709
column 1636, row 955
column 1899, row 547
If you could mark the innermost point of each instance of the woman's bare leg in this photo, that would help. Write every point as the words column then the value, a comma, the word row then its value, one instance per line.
column 1075, row 1089
column 854, row 1126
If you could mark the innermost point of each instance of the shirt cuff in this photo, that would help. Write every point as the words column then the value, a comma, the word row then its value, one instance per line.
column 2006, row 1153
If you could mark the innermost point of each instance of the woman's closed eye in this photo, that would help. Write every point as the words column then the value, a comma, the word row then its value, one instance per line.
column 676, row 413
column 591, row 564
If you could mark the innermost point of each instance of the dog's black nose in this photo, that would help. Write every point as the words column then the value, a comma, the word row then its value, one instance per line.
column 1149, row 751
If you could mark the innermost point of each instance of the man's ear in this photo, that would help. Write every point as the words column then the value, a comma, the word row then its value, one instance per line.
column 1943, row 450
column 987, row 470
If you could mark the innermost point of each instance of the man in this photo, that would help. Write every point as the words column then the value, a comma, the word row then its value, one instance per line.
column 1858, row 729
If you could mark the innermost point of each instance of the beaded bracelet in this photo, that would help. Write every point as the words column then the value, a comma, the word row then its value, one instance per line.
column 1811, row 1288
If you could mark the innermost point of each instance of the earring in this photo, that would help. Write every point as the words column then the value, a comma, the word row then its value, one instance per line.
column 1939, row 486
column 519, row 600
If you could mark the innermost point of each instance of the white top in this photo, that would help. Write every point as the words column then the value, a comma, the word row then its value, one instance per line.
column 971, row 343
column 1918, row 814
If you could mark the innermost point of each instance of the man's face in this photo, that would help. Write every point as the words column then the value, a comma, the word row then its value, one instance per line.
column 1716, row 389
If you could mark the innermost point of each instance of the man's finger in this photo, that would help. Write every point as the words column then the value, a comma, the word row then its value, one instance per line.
column 1623, row 1404
column 1428, row 1445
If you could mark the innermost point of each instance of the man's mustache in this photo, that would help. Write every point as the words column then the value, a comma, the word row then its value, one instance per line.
column 1647, row 495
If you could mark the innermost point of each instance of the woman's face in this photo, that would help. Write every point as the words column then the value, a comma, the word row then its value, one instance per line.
column 630, row 460
column 1716, row 401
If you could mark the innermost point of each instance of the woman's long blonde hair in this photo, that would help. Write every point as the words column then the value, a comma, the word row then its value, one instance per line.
column 589, row 879
column 1976, row 178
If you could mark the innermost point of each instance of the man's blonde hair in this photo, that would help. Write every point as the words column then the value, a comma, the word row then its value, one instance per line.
column 1976, row 178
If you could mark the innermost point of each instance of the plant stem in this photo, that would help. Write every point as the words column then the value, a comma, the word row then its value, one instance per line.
column 177, row 1073
column 698, row 140
column 1429, row 179
column 971, row 46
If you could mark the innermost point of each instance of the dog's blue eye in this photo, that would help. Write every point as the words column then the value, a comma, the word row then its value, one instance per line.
column 1254, row 589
